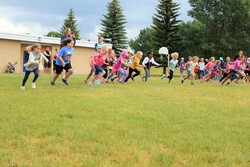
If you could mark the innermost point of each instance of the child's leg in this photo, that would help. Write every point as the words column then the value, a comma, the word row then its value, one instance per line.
column 90, row 73
column 36, row 73
column 129, row 74
column 68, row 73
column 26, row 76
column 192, row 76
column 137, row 72
column 147, row 71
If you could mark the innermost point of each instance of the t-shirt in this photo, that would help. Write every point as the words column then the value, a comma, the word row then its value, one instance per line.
column 192, row 66
column 135, row 63
column 66, row 54
column 119, row 62
column 98, row 44
column 202, row 66
column 182, row 65
column 209, row 66
column 173, row 64
column 236, row 65
column 100, row 59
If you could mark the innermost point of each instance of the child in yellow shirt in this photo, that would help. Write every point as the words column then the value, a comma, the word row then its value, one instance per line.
column 136, row 60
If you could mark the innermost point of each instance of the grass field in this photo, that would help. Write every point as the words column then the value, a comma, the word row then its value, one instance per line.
column 135, row 124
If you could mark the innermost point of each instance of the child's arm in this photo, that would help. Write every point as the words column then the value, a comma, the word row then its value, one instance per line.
column 44, row 58
column 154, row 62
column 61, row 60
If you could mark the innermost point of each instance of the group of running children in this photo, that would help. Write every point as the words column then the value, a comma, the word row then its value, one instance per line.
column 125, row 66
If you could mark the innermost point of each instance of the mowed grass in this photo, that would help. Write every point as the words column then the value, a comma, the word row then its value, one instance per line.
column 135, row 124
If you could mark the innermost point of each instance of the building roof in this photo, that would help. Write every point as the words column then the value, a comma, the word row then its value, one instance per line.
column 41, row 39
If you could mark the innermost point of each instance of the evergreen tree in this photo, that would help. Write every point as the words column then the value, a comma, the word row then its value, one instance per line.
column 113, row 26
column 166, row 27
column 70, row 22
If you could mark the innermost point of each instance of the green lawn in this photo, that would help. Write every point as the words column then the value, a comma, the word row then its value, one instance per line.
column 135, row 124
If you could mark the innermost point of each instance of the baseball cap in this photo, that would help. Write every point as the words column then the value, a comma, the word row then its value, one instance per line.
column 125, row 52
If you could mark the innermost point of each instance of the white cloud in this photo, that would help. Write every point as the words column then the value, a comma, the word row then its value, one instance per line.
column 133, row 32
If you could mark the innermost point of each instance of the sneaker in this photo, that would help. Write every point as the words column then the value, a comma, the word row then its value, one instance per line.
column 22, row 87
column 52, row 83
column 90, row 84
column 97, row 82
column 132, row 78
column 33, row 85
column 65, row 82
column 192, row 83
column 182, row 81
column 85, row 81
column 112, row 80
column 163, row 76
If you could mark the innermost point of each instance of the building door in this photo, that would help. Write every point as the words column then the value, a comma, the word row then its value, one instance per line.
column 25, row 59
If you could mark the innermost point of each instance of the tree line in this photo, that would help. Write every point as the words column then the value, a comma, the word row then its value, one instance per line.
column 218, row 28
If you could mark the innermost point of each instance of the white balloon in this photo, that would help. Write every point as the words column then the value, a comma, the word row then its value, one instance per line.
column 163, row 51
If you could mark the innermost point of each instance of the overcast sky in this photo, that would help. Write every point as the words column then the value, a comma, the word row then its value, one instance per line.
column 40, row 17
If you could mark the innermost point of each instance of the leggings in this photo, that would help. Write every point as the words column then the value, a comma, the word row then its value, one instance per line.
column 171, row 74
column 27, row 73
column 147, row 71
column 131, row 70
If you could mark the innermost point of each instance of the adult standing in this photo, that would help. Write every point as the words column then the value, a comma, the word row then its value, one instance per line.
column 68, row 34
column 47, row 65
column 99, row 43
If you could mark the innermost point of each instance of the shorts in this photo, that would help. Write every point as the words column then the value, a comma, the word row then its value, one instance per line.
column 47, row 64
column 189, row 72
column 98, row 70
column 206, row 71
column 59, row 69
column 181, row 70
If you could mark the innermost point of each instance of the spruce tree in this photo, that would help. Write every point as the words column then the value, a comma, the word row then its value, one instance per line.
column 166, row 27
column 113, row 26
column 165, row 23
column 70, row 22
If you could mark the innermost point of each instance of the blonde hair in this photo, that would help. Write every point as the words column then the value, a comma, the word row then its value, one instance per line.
column 195, row 57
column 175, row 54
column 139, row 53
column 66, row 31
column 211, row 59
column 32, row 47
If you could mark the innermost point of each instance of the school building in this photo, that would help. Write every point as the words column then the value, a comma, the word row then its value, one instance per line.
column 12, row 47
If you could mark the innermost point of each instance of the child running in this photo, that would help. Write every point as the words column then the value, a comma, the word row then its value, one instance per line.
column 136, row 60
column 172, row 64
column 147, row 62
column 33, row 64
column 91, row 63
column 182, row 67
column 192, row 66
column 117, row 67
column 233, row 71
column 63, row 61
column 98, row 62
column 207, row 69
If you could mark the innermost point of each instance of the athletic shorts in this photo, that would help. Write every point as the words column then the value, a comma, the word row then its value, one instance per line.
column 206, row 72
column 98, row 70
column 59, row 69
